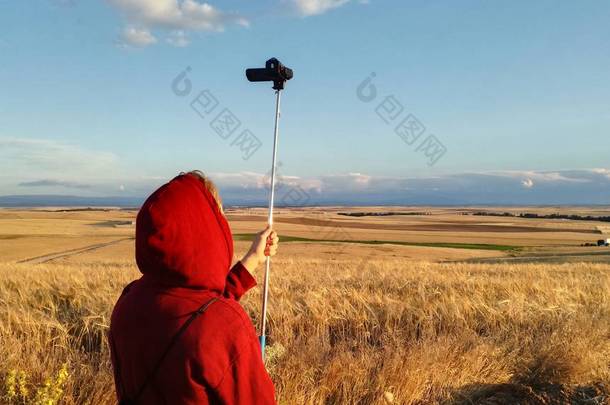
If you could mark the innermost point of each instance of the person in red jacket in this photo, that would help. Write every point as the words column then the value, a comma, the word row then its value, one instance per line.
column 178, row 334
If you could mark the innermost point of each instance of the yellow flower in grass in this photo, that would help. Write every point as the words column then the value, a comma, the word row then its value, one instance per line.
column 22, row 385
column 52, row 390
column 10, row 385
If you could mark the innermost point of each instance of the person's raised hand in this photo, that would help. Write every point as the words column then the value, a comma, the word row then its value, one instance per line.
column 265, row 244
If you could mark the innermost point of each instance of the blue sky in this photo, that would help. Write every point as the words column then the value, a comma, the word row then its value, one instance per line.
column 515, row 94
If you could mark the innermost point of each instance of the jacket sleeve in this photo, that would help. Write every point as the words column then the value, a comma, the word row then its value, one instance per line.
column 239, row 281
column 246, row 380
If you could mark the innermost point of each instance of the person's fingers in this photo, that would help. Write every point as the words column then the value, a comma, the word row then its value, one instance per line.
column 271, row 236
column 270, row 250
column 272, row 240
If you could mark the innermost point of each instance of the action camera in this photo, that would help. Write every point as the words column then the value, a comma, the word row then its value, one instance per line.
column 273, row 71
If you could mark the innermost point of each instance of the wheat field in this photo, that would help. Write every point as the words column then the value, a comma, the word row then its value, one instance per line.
column 366, row 332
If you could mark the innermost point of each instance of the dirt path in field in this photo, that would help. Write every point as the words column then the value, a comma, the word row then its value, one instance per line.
column 70, row 252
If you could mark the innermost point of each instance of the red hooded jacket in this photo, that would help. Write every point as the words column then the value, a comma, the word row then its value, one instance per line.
column 184, row 250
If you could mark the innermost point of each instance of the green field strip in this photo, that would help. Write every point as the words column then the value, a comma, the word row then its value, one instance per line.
column 451, row 245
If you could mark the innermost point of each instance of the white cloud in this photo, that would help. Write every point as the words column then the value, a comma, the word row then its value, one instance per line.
column 173, row 20
column 359, row 178
column 547, row 176
column 308, row 8
column 140, row 38
column 178, row 39
column 29, row 157
column 603, row 172
column 174, row 15
column 527, row 183
column 54, row 183
column 261, row 181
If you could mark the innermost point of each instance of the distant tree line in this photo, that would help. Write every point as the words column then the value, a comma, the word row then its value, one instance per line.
column 546, row 216
column 380, row 214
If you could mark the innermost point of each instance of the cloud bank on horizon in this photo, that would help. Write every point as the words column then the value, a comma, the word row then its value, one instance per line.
column 573, row 187
column 48, row 167
column 569, row 187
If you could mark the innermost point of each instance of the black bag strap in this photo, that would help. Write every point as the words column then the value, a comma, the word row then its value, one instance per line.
column 153, row 372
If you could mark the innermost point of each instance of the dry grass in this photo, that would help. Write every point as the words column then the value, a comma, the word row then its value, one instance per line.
column 348, row 332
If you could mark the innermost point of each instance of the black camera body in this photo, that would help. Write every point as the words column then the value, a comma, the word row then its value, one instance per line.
column 273, row 71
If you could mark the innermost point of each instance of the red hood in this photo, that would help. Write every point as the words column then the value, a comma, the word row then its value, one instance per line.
column 182, row 238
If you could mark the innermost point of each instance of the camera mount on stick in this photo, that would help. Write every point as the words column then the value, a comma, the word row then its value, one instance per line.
column 273, row 71
column 277, row 73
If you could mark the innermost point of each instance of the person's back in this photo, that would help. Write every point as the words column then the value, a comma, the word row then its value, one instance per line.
column 184, row 249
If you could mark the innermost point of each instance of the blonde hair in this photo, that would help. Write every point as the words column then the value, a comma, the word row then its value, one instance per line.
column 209, row 185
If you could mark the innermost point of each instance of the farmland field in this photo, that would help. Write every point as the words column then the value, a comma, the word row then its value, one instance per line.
column 427, row 305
